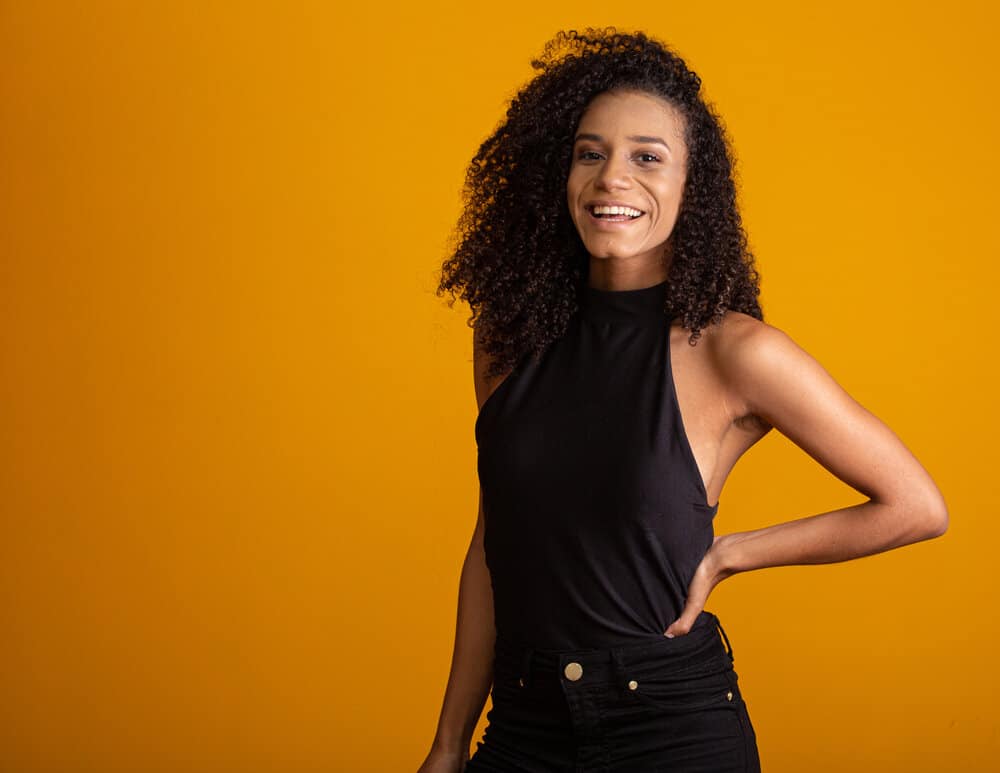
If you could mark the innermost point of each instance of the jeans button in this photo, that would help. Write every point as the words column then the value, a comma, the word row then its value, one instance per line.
column 573, row 671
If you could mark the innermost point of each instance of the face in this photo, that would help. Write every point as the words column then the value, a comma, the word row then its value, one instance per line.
column 626, row 180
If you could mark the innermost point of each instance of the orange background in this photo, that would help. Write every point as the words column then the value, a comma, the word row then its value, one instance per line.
column 238, row 470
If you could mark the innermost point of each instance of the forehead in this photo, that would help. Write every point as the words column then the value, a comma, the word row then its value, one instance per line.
column 631, row 112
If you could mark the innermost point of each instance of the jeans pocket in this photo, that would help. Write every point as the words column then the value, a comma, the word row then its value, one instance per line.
column 669, row 689
column 509, row 687
column 682, row 718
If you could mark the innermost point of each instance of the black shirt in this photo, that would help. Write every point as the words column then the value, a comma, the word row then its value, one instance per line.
column 596, row 515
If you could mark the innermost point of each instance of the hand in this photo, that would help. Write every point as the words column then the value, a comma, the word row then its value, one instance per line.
column 710, row 572
column 439, row 761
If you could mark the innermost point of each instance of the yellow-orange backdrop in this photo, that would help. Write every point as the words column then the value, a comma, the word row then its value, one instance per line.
column 238, row 468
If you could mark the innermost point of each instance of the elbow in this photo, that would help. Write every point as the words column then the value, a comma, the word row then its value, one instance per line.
column 937, row 522
column 930, row 516
column 916, row 518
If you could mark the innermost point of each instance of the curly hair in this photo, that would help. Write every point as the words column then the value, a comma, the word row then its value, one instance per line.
column 519, row 262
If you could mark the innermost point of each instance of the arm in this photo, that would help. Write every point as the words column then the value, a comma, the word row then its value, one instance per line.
column 771, row 377
column 472, row 659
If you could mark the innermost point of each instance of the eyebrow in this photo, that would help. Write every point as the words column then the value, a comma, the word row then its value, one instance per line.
column 633, row 138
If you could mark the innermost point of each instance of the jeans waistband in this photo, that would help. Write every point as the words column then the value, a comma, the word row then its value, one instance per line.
column 700, row 647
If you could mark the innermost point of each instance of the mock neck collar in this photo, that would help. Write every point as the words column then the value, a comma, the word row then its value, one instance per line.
column 645, row 304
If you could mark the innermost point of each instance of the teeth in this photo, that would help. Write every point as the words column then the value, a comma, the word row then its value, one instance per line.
column 617, row 211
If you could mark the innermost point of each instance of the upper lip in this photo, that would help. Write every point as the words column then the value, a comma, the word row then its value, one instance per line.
column 608, row 203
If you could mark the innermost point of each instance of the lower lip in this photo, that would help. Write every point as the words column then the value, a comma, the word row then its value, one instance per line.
column 614, row 222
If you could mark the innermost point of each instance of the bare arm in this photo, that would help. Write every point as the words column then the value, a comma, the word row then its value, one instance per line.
column 471, row 673
column 772, row 378
column 472, row 659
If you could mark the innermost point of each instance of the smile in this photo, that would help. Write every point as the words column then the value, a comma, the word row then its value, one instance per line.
column 614, row 214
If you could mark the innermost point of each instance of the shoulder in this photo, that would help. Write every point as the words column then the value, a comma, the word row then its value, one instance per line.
column 739, row 342
column 754, row 359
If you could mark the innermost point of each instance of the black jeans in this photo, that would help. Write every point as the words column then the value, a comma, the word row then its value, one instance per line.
column 669, row 705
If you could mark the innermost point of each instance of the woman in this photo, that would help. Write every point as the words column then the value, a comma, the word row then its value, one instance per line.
column 622, row 366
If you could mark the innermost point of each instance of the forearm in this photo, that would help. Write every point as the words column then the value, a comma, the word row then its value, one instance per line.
column 472, row 659
column 838, row 535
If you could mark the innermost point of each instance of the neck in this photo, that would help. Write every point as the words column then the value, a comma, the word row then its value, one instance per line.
column 611, row 274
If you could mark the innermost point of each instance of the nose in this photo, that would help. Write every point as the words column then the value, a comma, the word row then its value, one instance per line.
column 614, row 174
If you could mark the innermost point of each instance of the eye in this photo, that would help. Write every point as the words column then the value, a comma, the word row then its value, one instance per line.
column 588, row 155
column 648, row 157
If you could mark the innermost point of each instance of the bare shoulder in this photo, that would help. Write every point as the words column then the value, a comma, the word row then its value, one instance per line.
column 739, row 341
column 747, row 352
column 765, row 370
column 783, row 386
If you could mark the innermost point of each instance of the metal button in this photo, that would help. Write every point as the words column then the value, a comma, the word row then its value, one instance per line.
column 729, row 695
column 633, row 684
column 573, row 671
column 520, row 681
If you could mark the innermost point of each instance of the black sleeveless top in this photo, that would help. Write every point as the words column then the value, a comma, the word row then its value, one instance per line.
column 596, row 515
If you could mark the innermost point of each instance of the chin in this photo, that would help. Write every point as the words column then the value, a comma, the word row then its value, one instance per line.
column 604, row 253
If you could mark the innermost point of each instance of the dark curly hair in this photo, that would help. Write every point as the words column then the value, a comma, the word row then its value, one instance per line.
column 519, row 262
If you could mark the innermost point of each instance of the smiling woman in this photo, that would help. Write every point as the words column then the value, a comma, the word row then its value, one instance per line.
column 622, row 367
column 624, row 188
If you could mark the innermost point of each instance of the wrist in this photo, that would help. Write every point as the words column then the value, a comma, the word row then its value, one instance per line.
column 725, row 559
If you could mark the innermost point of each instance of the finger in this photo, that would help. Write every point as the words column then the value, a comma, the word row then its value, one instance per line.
column 682, row 625
column 696, row 600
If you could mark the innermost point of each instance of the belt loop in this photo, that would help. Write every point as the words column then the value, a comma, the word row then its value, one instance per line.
column 526, row 666
column 729, row 647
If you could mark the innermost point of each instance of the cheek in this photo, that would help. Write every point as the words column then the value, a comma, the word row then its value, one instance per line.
column 670, row 196
column 570, row 206
column 669, row 199
column 573, row 191
column 572, row 185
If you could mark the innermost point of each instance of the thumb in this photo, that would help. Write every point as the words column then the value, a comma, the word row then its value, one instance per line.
column 683, row 624
column 696, row 600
